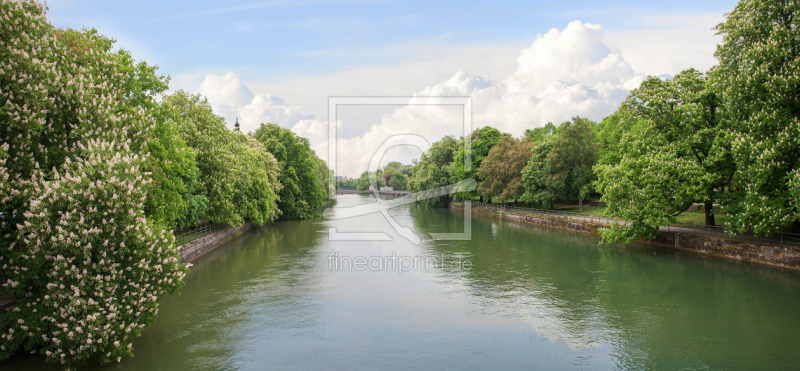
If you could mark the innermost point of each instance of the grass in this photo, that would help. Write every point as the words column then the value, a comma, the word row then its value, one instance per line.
column 695, row 217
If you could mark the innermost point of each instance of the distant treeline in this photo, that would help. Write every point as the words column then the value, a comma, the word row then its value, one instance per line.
column 729, row 137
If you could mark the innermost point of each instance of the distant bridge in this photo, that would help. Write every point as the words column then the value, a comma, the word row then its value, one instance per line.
column 382, row 192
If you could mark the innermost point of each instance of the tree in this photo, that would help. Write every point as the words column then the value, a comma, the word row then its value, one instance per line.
column 362, row 184
column 541, row 134
column 393, row 165
column 387, row 176
column 480, row 142
column 609, row 135
column 407, row 170
column 540, row 186
column 399, row 181
column 350, row 184
column 679, row 155
column 572, row 157
column 327, row 183
column 500, row 171
column 434, row 169
column 758, row 82
column 301, row 194
column 170, row 199
column 238, row 177
column 170, row 161
column 256, row 184
column 87, row 267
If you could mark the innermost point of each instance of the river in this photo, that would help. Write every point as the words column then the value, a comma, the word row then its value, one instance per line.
column 513, row 297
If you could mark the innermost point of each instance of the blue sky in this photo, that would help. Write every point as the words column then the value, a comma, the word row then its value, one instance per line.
column 269, row 39
column 523, row 63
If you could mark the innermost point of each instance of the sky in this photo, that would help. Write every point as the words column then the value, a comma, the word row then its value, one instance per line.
column 523, row 64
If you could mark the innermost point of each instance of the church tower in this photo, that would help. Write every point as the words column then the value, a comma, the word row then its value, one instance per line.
column 236, row 125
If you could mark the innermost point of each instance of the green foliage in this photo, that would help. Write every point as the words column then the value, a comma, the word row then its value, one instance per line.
column 679, row 156
column 196, row 204
column 540, row 187
column 394, row 165
column 481, row 142
column 362, row 184
column 172, row 163
column 170, row 160
column 561, row 164
column 758, row 82
column 407, row 170
column 572, row 157
column 88, row 269
column 350, row 184
column 303, row 191
column 609, row 135
column 500, row 171
column 541, row 134
column 434, row 169
column 238, row 177
column 326, row 181
column 399, row 181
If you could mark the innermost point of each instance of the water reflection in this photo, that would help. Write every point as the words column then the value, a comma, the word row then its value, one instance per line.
column 532, row 298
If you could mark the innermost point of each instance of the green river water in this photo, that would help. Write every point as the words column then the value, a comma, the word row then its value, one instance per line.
column 513, row 297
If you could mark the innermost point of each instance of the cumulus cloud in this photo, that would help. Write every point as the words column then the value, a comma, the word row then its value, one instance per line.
column 230, row 98
column 561, row 74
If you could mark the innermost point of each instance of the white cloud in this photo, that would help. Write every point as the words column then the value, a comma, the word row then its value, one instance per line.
column 679, row 42
column 561, row 74
column 229, row 98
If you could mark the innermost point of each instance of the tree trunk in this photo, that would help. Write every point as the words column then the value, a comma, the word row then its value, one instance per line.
column 515, row 203
column 481, row 198
column 707, row 209
column 796, row 226
column 580, row 205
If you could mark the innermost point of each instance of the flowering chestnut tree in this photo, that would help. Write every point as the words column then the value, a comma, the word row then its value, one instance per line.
column 677, row 155
column 86, row 266
column 758, row 77
column 171, row 161
column 238, row 177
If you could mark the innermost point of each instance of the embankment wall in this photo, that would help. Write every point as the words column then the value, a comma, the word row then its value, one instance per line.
column 777, row 256
column 202, row 245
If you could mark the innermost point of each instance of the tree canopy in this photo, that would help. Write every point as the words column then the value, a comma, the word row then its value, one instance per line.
column 759, row 86
column 303, row 189
column 434, row 169
column 87, row 267
column 399, row 181
column 238, row 177
column 678, row 156
column 481, row 142
column 501, row 171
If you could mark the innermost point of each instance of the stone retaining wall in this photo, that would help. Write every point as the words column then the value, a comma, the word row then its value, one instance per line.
column 202, row 245
column 785, row 257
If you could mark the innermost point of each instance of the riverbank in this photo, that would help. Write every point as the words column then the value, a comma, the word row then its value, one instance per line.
column 761, row 253
column 202, row 245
